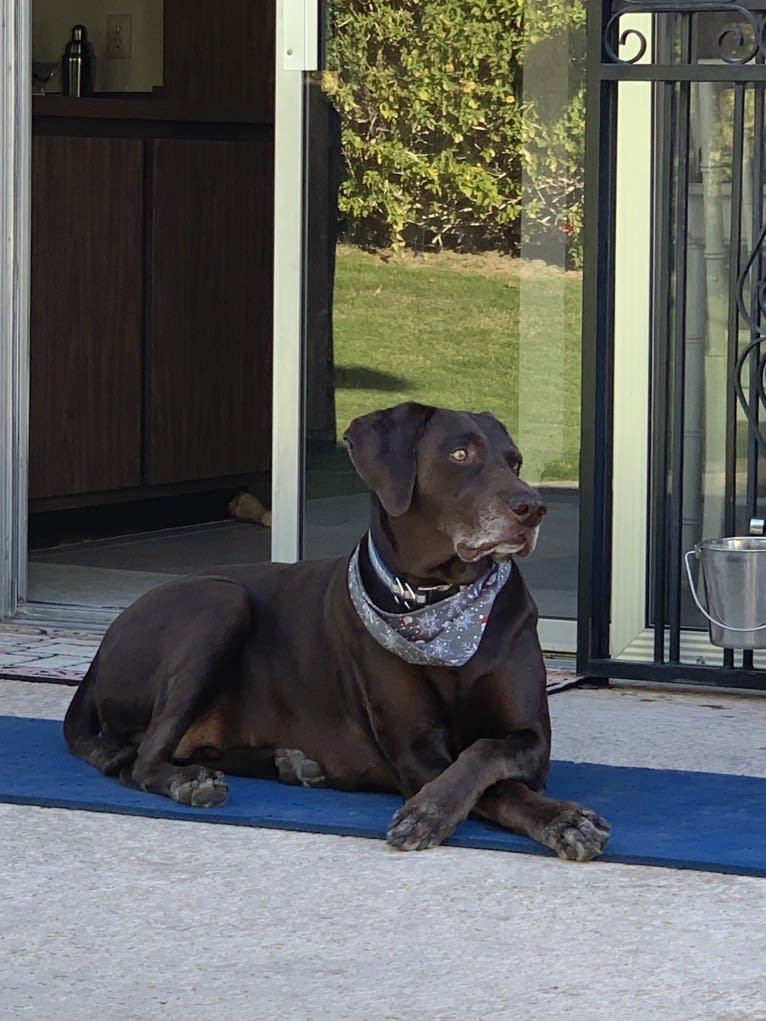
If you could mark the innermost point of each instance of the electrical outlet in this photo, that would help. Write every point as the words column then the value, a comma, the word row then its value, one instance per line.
column 119, row 31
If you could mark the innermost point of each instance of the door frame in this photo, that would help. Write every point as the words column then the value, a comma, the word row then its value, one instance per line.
column 15, row 232
column 15, row 298
column 297, row 46
column 296, row 49
column 15, row 291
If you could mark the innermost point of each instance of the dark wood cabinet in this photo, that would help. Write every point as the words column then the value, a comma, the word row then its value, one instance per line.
column 152, row 242
column 86, row 315
column 151, row 270
column 220, row 53
column 209, row 336
column 151, row 299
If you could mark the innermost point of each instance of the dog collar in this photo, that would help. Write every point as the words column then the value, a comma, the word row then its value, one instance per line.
column 446, row 633
column 402, row 591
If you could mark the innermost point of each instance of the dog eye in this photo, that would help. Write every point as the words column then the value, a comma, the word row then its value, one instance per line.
column 461, row 454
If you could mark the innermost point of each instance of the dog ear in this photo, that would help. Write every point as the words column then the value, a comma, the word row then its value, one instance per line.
column 382, row 448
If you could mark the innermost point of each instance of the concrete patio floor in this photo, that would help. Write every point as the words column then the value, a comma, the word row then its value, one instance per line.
column 134, row 918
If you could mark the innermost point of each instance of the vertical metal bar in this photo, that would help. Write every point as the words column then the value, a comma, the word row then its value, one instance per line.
column 753, row 451
column 679, row 345
column 735, row 264
column 594, row 581
column 287, row 425
column 661, row 300
column 664, row 293
column 756, row 297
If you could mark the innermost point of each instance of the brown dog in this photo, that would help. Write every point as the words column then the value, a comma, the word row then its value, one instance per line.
column 414, row 666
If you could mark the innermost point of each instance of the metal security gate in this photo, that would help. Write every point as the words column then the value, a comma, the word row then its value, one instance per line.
column 674, row 398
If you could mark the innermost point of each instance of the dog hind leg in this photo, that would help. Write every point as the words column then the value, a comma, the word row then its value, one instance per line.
column 83, row 734
column 297, row 769
column 195, row 673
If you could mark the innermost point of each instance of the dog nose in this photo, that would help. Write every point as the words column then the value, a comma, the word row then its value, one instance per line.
column 529, row 510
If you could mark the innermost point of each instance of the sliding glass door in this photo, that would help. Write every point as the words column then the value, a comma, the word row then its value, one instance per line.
column 428, row 214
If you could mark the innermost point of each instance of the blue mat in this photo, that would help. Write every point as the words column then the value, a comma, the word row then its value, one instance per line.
column 706, row 821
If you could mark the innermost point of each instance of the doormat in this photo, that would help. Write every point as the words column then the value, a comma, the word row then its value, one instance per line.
column 710, row 822
column 57, row 656
column 53, row 655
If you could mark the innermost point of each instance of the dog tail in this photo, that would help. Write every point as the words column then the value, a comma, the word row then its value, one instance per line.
column 83, row 730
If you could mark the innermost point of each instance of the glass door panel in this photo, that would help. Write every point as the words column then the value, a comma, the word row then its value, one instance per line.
column 442, row 218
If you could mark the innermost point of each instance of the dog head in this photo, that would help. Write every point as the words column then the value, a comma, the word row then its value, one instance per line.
column 457, row 470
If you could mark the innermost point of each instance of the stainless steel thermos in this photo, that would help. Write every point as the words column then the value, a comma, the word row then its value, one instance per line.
column 77, row 64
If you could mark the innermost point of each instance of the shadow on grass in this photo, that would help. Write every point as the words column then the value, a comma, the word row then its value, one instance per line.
column 360, row 377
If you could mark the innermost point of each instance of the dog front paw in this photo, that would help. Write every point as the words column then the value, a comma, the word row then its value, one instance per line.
column 420, row 823
column 206, row 790
column 575, row 833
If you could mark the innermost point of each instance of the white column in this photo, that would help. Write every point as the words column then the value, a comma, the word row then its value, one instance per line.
column 631, row 353
column 295, row 39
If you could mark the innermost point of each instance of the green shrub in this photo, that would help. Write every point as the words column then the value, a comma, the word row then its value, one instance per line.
column 436, row 137
column 553, row 155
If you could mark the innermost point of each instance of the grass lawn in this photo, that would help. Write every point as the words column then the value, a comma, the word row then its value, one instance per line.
column 476, row 332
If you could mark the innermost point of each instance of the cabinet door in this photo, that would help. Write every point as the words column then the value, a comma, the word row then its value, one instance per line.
column 221, row 53
column 87, row 294
column 209, row 328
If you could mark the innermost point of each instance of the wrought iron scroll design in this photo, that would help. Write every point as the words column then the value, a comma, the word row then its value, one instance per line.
column 738, row 43
column 752, row 356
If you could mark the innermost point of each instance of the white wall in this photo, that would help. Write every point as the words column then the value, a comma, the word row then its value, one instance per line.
column 52, row 26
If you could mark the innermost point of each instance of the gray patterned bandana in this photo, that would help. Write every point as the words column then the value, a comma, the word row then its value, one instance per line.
column 444, row 634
